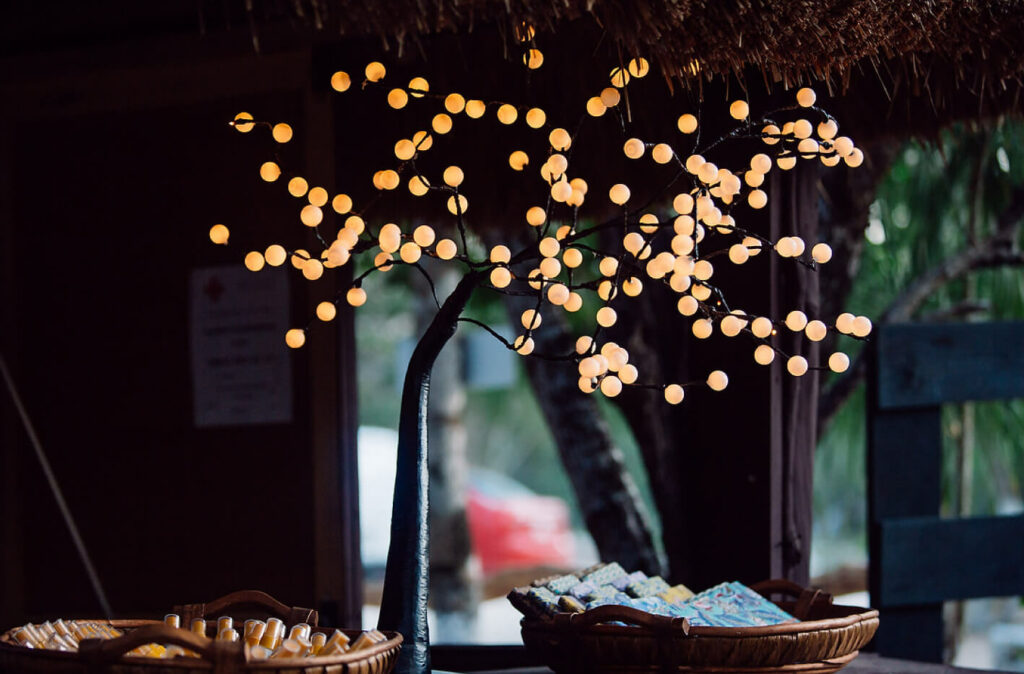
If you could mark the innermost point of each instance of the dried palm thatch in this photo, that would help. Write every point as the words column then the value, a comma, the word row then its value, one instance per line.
column 951, row 53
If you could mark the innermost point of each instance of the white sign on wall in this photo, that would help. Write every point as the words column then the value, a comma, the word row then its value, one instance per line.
column 241, row 368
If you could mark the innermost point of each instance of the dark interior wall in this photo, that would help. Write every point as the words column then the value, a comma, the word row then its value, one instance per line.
column 107, row 208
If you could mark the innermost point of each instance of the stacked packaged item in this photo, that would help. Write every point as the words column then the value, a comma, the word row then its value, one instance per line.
column 725, row 605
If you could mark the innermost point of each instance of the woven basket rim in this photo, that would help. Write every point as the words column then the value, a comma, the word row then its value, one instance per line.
column 394, row 640
column 857, row 614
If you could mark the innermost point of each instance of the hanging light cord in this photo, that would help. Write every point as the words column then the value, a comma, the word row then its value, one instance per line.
column 57, row 494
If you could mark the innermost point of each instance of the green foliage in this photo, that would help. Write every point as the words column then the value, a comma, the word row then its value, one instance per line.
column 926, row 206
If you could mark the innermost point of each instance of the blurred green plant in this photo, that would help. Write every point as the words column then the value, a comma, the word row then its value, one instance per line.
column 937, row 200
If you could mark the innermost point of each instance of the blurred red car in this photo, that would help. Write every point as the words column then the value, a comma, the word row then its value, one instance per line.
column 513, row 528
column 510, row 526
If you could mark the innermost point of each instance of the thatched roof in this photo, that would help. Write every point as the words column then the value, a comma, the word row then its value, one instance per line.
column 940, row 50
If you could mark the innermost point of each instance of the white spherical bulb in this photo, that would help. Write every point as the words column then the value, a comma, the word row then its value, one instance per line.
column 558, row 294
column 838, row 362
column 764, row 354
column 796, row 320
column 674, row 394
column 687, row 305
column 815, row 331
column 606, row 317
column 584, row 344
column 805, row 97
column 761, row 327
column 861, row 326
column 629, row 374
column 821, row 252
column 611, row 386
column 738, row 253
column 701, row 328
column 797, row 366
column 731, row 326
column 844, row 323
column 718, row 380
column 500, row 277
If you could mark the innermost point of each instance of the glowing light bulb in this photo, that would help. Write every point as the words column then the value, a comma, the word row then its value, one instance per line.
column 561, row 190
column 518, row 160
column 764, row 354
column 584, row 344
column 317, row 196
column 475, row 108
column 687, row 305
column 574, row 303
column 815, row 331
column 606, row 317
column 500, row 254
column 410, row 252
column 674, row 394
column 843, row 146
column 424, row 236
column 610, row 97
column 703, row 270
column 254, row 260
column 560, row 139
column 275, row 255
column 619, row 194
column 619, row 77
column 738, row 253
column 398, row 99
column 404, row 149
column 535, row 118
column 549, row 246
column 295, row 338
column 611, row 386
column 313, row 269
column 739, row 110
column 326, row 311
column 838, row 362
column 453, row 176
column 311, row 215
column 500, row 277
column 687, row 123
column 786, row 247
column 299, row 258
column 297, row 186
column 595, row 108
column 702, row 328
column 282, row 133
column 219, row 235
column 844, row 323
column 805, row 97
column 634, row 148
column 507, row 114
column 454, row 103
column 270, row 171
column 354, row 224
column 767, row 133
column 855, row 158
column 341, row 81
column 761, row 327
column 446, row 249
column 535, row 216
column 418, row 186
column 243, row 122
column 375, row 71
column 821, row 252
column 718, row 380
column 456, row 207
column 662, row 153
column 341, row 203
column 523, row 345
column 632, row 286
column 550, row 267
column 731, row 326
column 861, row 326
column 382, row 261
column 586, row 384
column 639, row 67
column 796, row 366
column 356, row 297
column 558, row 294
column 828, row 129
column 533, row 59
column 796, row 320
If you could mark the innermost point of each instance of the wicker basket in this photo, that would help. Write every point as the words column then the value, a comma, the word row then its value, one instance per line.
column 827, row 639
column 217, row 657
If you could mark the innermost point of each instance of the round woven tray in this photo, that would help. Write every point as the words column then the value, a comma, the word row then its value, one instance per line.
column 217, row 657
column 827, row 638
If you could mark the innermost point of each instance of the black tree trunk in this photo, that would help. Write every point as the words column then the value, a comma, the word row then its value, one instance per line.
column 404, row 602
